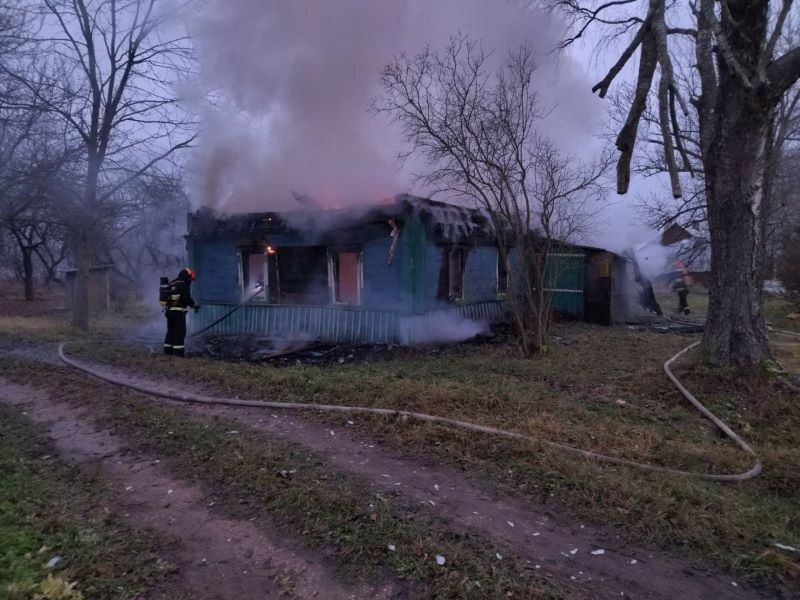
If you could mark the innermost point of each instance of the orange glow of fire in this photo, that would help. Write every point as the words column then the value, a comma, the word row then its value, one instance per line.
column 271, row 250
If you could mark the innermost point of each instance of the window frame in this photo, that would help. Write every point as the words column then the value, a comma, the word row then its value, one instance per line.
column 333, row 254
column 502, row 293
column 245, row 277
column 462, row 252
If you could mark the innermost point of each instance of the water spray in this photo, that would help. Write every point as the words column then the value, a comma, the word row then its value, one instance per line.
column 257, row 288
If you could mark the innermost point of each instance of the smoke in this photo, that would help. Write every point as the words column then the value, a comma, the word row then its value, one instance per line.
column 441, row 326
column 295, row 79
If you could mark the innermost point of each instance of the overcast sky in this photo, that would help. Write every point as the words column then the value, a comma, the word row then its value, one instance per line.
column 294, row 81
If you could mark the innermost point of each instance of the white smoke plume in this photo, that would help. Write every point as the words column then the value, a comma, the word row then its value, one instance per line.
column 294, row 81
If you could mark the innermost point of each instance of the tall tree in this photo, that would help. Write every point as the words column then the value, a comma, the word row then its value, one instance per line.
column 478, row 131
column 108, row 69
column 730, row 48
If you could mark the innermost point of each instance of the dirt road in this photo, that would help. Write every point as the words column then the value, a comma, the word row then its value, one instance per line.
column 216, row 557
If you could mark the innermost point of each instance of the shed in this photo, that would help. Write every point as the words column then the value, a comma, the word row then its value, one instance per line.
column 99, row 286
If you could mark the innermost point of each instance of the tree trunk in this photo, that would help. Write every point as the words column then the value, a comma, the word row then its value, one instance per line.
column 736, row 166
column 83, row 246
column 80, row 288
column 27, row 272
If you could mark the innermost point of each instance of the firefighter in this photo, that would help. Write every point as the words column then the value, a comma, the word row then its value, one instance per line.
column 681, row 281
column 179, row 302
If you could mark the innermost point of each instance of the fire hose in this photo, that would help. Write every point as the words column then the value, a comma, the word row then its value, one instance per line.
column 253, row 294
column 404, row 414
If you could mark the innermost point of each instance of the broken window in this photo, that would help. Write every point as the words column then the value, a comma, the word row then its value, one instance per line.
column 502, row 273
column 451, row 275
column 301, row 275
column 345, row 277
column 254, row 275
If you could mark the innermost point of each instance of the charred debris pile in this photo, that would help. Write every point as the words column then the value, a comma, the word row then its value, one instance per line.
column 287, row 353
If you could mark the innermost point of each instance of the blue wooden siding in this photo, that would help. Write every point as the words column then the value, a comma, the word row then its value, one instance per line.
column 382, row 281
column 431, row 265
column 393, row 295
column 480, row 274
column 335, row 323
column 217, row 265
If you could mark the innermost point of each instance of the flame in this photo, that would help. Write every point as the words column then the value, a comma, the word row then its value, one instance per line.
column 271, row 250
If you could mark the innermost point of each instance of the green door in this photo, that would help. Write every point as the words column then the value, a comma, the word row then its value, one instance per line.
column 564, row 273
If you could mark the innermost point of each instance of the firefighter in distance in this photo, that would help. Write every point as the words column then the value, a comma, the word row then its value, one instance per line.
column 176, row 298
column 681, row 282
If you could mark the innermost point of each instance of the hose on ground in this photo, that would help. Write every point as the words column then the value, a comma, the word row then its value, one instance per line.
column 785, row 332
column 212, row 400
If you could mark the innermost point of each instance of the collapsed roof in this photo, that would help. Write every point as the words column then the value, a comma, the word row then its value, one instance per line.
column 444, row 223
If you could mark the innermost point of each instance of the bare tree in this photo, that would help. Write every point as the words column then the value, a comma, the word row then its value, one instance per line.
column 147, row 237
column 731, row 49
column 690, row 209
column 107, row 69
column 477, row 130
column 30, row 163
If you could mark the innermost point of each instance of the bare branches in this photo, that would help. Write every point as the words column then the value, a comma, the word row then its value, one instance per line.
column 146, row 167
column 106, row 70
column 478, row 132
column 710, row 39
column 772, row 42
column 626, row 140
column 583, row 17
column 784, row 71
column 687, row 163
column 711, row 21
column 601, row 88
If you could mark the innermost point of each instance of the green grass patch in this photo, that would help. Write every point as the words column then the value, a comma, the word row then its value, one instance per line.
column 49, row 510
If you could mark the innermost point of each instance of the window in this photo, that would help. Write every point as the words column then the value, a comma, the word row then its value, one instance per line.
column 299, row 275
column 502, row 273
column 345, row 277
column 455, row 267
column 254, row 274
column 450, row 287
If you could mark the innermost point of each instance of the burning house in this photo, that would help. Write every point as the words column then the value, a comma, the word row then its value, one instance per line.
column 408, row 271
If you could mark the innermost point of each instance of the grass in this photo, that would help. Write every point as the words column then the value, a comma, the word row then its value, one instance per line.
column 778, row 309
column 48, row 509
column 571, row 395
column 332, row 511
column 601, row 389
column 697, row 299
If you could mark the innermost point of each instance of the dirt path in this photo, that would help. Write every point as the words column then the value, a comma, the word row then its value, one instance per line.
column 216, row 557
column 566, row 551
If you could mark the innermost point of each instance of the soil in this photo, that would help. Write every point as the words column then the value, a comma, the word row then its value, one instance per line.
column 48, row 300
column 217, row 558
column 290, row 352
column 565, row 551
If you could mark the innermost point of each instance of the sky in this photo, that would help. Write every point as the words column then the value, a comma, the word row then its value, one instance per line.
column 293, row 83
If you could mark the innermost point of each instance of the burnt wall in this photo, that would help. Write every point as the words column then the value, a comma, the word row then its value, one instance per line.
column 216, row 262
